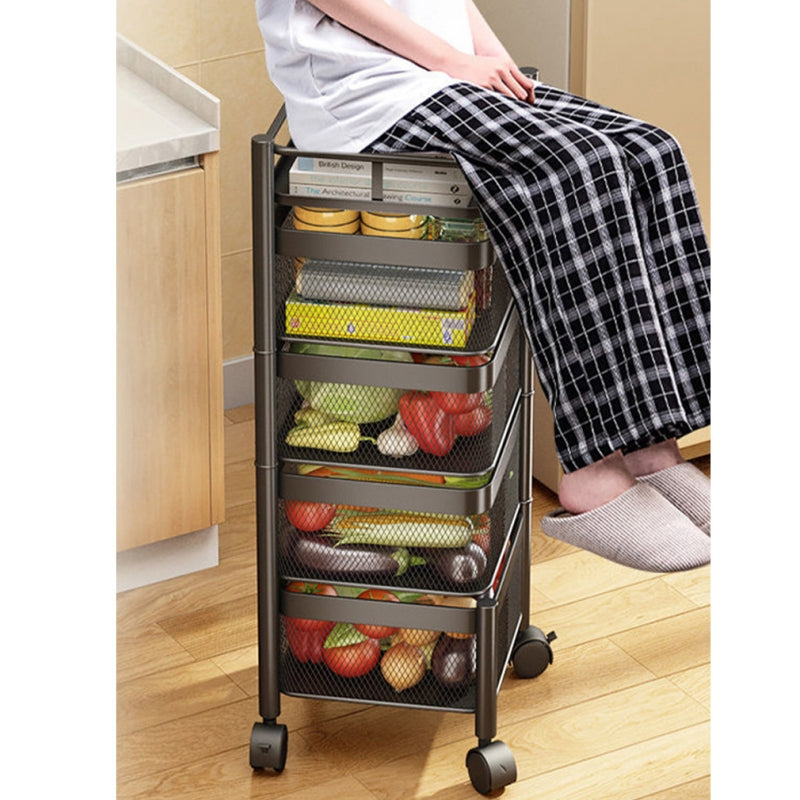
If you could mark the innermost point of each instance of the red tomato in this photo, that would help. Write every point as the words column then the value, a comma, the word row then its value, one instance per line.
column 377, row 631
column 473, row 422
column 309, row 588
column 353, row 660
column 457, row 403
column 471, row 361
column 308, row 516
column 306, row 645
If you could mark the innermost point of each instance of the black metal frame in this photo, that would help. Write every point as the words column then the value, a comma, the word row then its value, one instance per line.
column 270, row 164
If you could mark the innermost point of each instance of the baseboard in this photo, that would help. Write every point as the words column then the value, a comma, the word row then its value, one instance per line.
column 239, row 387
column 160, row 561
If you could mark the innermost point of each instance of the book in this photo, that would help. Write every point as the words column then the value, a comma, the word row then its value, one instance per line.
column 447, row 171
column 408, row 179
column 409, row 197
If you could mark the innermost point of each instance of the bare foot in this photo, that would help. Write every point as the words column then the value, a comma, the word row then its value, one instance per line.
column 595, row 485
column 654, row 458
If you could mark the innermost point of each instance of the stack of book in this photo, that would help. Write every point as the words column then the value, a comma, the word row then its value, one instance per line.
column 414, row 184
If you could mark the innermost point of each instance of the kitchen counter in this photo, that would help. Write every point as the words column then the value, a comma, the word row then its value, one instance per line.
column 163, row 118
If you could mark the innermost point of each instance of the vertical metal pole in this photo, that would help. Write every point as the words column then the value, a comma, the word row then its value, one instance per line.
column 486, row 657
column 262, row 158
column 526, row 473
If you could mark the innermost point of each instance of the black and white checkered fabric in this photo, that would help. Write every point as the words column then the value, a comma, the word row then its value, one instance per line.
column 594, row 219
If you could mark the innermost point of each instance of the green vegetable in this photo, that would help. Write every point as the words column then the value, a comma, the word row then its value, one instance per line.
column 311, row 416
column 345, row 401
column 467, row 481
column 340, row 437
column 401, row 529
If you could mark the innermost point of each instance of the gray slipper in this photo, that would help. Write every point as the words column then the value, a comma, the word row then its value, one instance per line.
column 639, row 529
column 688, row 489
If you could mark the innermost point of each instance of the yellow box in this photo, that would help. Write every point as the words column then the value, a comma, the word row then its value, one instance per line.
column 431, row 326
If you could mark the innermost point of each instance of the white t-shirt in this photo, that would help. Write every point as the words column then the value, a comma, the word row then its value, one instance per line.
column 342, row 90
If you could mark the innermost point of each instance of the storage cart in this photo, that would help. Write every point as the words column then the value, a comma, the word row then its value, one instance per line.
column 393, row 455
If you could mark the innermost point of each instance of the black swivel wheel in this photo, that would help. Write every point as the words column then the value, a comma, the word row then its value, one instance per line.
column 268, row 744
column 491, row 766
column 532, row 653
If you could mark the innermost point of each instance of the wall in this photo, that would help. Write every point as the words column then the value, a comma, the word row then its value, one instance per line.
column 651, row 59
column 535, row 33
column 217, row 44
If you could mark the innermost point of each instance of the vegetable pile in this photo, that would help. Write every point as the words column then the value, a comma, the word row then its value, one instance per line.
column 357, row 541
column 403, row 657
column 428, row 421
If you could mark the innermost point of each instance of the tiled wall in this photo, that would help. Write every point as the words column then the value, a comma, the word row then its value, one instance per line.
column 217, row 44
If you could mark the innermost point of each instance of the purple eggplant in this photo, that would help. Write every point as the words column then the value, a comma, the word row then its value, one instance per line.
column 319, row 553
column 454, row 661
column 461, row 565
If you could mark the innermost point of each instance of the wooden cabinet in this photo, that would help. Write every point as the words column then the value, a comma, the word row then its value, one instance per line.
column 170, row 450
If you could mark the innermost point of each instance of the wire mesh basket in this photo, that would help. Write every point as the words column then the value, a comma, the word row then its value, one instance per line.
column 397, row 549
column 378, row 415
column 344, row 279
column 404, row 648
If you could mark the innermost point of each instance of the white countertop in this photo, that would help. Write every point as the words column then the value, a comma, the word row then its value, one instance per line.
column 161, row 115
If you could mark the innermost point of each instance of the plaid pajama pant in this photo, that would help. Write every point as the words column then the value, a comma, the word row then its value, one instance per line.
column 594, row 219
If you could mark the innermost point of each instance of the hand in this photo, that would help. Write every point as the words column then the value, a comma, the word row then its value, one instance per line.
column 492, row 72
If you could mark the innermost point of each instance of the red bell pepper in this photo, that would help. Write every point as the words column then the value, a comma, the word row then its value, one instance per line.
column 427, row 423
column 472, row 422
column 457, row 402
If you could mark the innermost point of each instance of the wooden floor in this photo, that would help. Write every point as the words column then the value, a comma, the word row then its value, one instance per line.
column 623, row 712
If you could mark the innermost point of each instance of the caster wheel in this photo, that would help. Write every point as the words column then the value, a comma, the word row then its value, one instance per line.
column 491, row 766
column 532, row 653
column 268, row 743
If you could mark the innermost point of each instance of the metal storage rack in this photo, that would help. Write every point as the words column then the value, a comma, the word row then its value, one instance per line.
column 489, row 628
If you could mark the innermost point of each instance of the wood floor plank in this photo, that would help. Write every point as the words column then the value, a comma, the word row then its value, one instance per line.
column 694, row 790
column 241, row 413
column 240, row 482
column 233, row 579
column 551, row 742
column 147, row 649
column 216, row 628
column 695, row 584
column 670, row 645
column 228, row 776
column 207, row 734
column 671, row 761
column 172, row 694
column 343, row 788
column 582, row 574
column 240, row 441
column 613, row 612
column 696, row 682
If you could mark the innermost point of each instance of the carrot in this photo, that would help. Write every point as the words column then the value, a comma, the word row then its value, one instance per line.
column 371, row 474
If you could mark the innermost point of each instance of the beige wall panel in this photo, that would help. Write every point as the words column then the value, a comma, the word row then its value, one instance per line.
column 535, row 33
column 650, row 59
column 237, row 313
column 227, row 27
column 163, row 478
column 166, row 28
column 249, row 102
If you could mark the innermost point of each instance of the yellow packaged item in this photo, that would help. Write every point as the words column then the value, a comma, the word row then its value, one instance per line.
column 325, row 216
column 420, row 232
column 380, row 323
column 393, row 222
column 346, row 227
